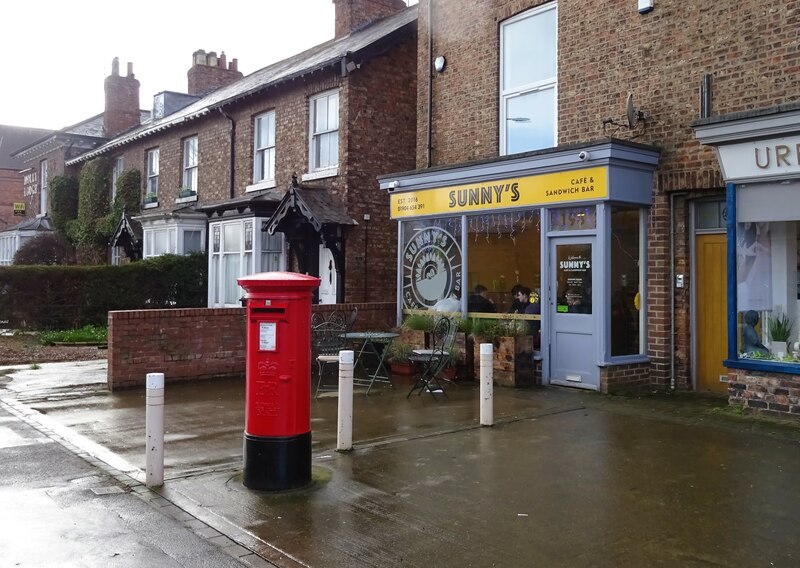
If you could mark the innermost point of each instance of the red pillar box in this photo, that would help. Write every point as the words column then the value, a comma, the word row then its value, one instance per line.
column 277, row 436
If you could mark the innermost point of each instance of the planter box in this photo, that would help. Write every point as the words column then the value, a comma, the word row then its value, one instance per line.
column 513, row 361
column 401, row 367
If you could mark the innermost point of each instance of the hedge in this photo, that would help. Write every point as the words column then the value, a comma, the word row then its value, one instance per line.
column 66, row 297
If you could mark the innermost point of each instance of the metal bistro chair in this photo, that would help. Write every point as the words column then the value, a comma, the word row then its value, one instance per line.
column 430, row 362
column 327, row 340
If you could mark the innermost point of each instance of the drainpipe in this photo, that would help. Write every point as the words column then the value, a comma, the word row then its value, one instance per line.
column 430, row 84
column 672, row 291
column 232, row 190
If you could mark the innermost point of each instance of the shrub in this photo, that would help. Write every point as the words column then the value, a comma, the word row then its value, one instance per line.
column 85, row 334
column 47, row 248
column 90, row 233
column 63, row 202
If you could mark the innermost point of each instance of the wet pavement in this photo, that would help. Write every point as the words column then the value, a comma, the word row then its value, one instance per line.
column 564, row 478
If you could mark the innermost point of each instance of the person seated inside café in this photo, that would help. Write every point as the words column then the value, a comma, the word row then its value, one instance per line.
column 479, row 300
column 517, row 305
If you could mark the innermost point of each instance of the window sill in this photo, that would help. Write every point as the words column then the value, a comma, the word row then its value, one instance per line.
column 330, row 172
column 190, row 199
column 764, row 365
column 269, row 184
column 150, row 205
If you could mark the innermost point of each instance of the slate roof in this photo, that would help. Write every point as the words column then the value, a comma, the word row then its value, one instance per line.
column 319, row 57
column 12, row 138
column 33, row 224
column 317, row 206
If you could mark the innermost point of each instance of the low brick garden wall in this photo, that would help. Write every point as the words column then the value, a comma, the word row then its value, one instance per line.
column 770, row 393
column 198, row 343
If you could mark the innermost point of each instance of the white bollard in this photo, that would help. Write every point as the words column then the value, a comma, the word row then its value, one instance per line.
column 154, row 420
column 344, row 432
column 487, row 385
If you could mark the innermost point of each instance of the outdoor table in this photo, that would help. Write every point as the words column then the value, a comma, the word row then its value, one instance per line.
column 370, row 342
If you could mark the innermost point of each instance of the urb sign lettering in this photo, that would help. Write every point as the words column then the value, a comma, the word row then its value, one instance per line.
column 431, row 268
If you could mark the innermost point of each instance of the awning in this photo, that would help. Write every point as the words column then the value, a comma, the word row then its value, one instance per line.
column 317, row 207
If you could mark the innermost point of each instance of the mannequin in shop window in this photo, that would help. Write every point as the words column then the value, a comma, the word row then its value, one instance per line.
column 751, row 342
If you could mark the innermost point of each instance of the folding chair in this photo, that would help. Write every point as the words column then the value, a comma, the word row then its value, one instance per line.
column 327, row 340
column 430, row 362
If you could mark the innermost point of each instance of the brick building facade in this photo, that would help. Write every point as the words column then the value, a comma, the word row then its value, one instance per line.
column 366, row 77
column 744, row 56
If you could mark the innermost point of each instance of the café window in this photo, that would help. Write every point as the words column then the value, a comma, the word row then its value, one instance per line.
column 626, row 279
column 432, row 265
column 503, row 255
column 767, row 266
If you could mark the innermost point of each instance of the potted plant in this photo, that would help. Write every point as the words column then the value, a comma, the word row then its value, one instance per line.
column 151, row 198
column 186, row 192
column 398, row 354
column 780, row 330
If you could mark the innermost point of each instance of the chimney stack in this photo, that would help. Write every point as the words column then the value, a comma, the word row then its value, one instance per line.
column 122, row 101
column 352, row 15
column 210, row 72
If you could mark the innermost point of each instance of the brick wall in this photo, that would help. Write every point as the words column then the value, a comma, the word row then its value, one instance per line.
column 10, row 193
column 354, row 14
column 201, row 343
column 769, row 393
column 632, row 377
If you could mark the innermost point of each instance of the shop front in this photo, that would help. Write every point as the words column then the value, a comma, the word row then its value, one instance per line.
column 759, row 154
column 551, row 242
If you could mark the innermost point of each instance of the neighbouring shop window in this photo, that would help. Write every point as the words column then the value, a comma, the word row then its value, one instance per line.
column 432, row 265
column 504, row 254
column 626, row 254
column 767, row 269
column 324, row 126
column 190, row 158
column 264, row 148
column 528, row 80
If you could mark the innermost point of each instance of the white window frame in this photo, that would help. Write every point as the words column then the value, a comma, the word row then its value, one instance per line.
column 263, row 153
column 153, row 159
column 538, row 86
column 250, row 256
column 174, row 233
column 315, row 169
column 191, row 157
column 116, row 171
column 43, row 188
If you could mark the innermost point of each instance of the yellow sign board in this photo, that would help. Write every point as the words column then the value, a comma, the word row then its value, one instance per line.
column 575, row 185
column 19, row 209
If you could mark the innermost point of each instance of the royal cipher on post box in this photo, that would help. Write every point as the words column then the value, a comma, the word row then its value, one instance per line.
column 277, row 436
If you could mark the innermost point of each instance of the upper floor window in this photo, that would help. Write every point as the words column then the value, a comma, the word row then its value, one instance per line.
column 264, row 148
column 115, row 173
column 528, row 80
column 152, row 172
column 324, row 131
column 43, row 189
column 190, row 164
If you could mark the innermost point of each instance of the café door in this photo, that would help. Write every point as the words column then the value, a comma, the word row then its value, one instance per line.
column 573, row 346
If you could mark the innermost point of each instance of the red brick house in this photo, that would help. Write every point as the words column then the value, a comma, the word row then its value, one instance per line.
column 277, row 169
column 556, row 149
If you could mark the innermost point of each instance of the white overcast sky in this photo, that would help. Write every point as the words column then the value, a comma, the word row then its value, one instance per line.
column 56, row 54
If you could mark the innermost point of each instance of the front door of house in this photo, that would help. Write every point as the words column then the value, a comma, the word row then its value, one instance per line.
column 327, row 275
column 571, row 305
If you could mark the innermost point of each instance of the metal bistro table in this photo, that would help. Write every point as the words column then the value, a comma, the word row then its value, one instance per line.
column 374, row 344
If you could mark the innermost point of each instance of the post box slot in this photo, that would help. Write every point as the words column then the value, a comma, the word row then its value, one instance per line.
column 268, row 310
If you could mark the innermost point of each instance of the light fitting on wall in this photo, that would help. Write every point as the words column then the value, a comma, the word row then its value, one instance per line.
column 439, row 63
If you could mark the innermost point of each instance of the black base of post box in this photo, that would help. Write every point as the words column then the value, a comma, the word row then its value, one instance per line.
column 277, row 463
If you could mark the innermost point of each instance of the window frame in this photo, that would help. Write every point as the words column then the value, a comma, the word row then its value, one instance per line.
column 267, row 178
column 506, row 95
column 116, row 171
column 43, row 188
column 314, row 135
column 190, row 169
column 153, row 159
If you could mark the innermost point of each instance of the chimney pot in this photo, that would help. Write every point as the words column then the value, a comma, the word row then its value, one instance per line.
column 130, row 69
column 234, row 66
column 115, row 66
column 223, row 61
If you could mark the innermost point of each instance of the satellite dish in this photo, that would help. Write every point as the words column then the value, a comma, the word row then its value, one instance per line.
column 630, row 111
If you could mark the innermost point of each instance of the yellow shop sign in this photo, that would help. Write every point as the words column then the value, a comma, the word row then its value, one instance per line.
column 575, row 185
column 19, row 209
